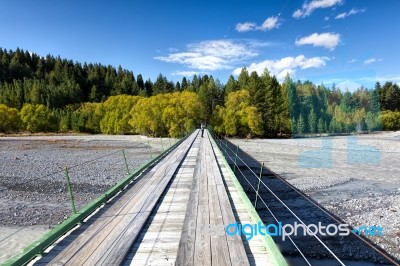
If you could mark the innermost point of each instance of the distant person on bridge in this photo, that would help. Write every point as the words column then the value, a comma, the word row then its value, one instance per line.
column 202, row 129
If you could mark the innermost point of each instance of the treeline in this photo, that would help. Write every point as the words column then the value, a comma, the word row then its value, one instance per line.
column 172, row 114
column 54, row 94
column 260, row 106
column 28, row 78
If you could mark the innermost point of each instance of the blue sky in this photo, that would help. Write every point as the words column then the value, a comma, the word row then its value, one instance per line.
column 350, row 43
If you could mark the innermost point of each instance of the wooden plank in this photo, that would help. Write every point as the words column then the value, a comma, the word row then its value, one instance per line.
column 235, row 244
column 118, row 251
column 202, row 251
column 219, row 245
column 237, row 252
column 187, row 243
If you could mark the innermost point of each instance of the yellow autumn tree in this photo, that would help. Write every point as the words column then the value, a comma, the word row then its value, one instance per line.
column 9, row 120
column 238, row 117
column 183, row 113
column 117, row 114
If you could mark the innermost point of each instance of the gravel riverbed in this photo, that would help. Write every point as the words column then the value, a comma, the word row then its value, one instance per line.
column 356, row 178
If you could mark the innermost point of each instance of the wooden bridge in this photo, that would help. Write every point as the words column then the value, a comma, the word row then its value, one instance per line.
column 174, row 213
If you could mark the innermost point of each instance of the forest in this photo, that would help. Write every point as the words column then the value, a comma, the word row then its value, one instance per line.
column 50, row 94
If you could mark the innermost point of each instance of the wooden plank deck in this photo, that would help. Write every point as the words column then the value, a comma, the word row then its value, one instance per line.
column 201, row 239
column 175, row 214
column 159, row 240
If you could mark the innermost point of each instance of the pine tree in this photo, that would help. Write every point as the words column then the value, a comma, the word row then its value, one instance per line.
column 139, row 81
column 149, row 88
column 320, row 126
column 243, row 79
column 184, row 84
column 300, row 125
column 231, row 86
column 312, row 121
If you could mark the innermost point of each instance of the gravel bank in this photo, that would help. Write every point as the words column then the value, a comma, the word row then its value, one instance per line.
column 359, row 182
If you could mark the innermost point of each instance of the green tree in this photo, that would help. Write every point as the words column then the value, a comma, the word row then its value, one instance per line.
column 239, row 117
column 208, row 96
column 182, row 113
column 36, row 118
column 117, row 114
column 301, row 125
column 320, row 126
column 243, row 79
column 87, row 118
column 273, row 105
column 312, row 121
column 10, row 121
column 231, row 86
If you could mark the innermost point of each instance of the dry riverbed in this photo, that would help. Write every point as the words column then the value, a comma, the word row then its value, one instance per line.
column 356, row 178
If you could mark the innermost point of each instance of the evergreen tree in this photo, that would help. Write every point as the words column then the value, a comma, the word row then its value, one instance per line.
column 184, row 84
column 312, row 121
column 149, row 88
column 243, row 79
column 177, row 86
column 139, row 81
column 320, row 127
column 231, row 86
column 301, row 125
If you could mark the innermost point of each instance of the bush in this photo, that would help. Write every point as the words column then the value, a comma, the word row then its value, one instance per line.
column 391, row 120
column 36, row 118
column 10, row 120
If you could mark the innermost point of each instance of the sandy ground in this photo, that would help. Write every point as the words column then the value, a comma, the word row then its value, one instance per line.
column 357, row 178
column 33, row 193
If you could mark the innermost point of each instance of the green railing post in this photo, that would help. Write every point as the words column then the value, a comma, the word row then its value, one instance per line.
column 126, row 163
column 71, row 196
column 234, row 166
column 162, row 145
column 258, row 186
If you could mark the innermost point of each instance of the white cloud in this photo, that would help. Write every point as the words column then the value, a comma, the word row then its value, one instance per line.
column 297, row 14
column 341, row 15
column 327, row 40
column 353, row 60
column 285, row 65
column 214, row 54
column 372, row 60
column 353, row 11
column 269, row 24
column 309, row 7
column 245, row 27
column 326, row 18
